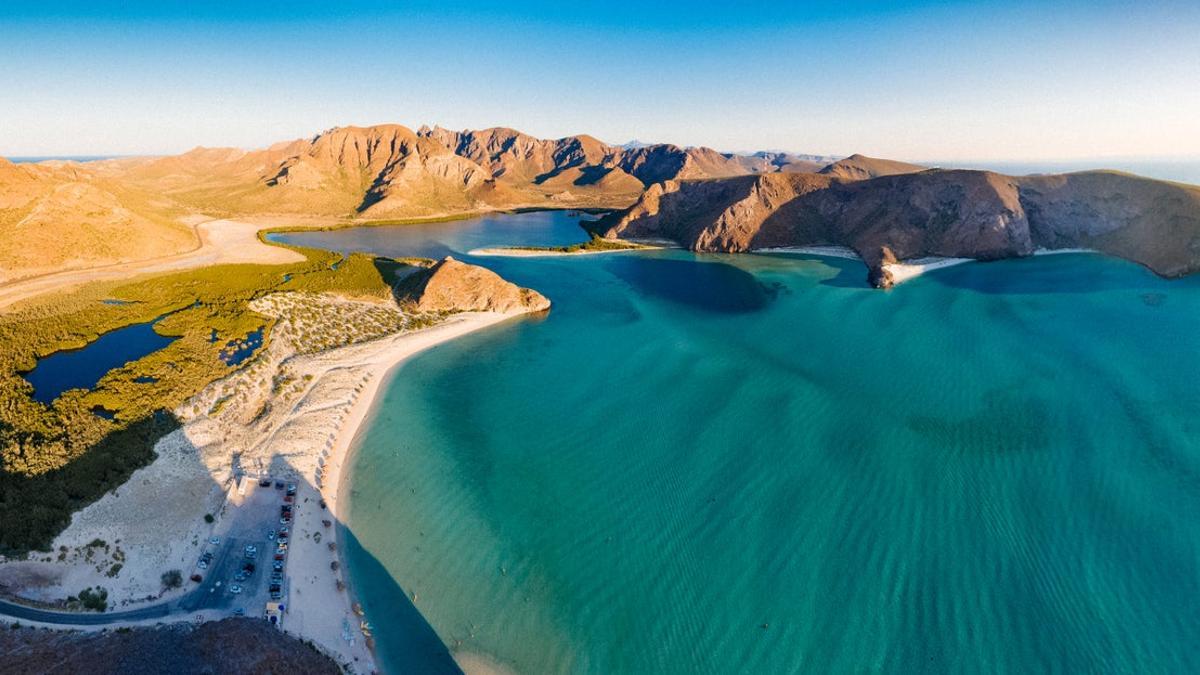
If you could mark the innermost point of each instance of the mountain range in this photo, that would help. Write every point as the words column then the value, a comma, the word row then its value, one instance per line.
column 58, row 215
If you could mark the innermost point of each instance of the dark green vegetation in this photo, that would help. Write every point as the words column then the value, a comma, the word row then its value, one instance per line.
column 595, row 243
column 172, row 579
column 96, row 600
column 228, row 646
column 57, row 458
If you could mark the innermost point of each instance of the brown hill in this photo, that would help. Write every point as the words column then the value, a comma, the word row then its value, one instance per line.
column 956, row 213
column 861, row 167
column 450, row 285
column 62, row 215
column 581, row 161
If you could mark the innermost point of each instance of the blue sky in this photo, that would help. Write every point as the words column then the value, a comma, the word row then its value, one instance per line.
column 913, row 80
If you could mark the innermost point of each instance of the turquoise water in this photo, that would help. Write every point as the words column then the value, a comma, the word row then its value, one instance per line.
column 712, row 464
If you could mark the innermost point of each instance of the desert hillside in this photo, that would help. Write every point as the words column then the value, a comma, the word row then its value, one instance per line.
column 61, row 215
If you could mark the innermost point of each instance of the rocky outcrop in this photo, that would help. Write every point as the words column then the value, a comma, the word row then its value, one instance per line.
column 453, row 286
column 954, row 213
column 228, row 646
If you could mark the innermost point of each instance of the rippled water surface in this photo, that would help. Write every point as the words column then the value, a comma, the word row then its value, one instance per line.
column 757, row 464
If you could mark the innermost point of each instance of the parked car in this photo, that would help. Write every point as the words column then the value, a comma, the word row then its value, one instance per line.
column 278, row 564
column 203, row 564
column 289, row 499
column 214, row 541
column 270, row 535
column 235, row 589
column 240, row 611
column 266, row 482
column 291, row 489
column 240, row 576
column 248, row 568
column 278, row 485
column 197, row 578
column 279, row 556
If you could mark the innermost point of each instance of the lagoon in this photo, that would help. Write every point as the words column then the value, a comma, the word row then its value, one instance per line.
column 82, row 368
column 755, row 463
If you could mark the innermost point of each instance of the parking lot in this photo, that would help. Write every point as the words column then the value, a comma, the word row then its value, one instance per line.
column 238, row 565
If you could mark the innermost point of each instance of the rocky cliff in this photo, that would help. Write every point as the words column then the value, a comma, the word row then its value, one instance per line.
column 953, row 213
column 450, row 286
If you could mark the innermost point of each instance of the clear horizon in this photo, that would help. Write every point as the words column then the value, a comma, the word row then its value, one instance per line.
column 922, row 81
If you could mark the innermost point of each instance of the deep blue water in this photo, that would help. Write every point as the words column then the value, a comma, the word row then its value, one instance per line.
column 82, row 368
column 235, row 352
column 755, row 463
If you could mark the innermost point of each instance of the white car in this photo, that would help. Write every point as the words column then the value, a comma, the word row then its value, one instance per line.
column 214, row 541
column 235, row 589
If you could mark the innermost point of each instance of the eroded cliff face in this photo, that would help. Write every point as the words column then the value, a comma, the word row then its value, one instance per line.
column 453, row 286
column 952, row 213
column 1155, row 223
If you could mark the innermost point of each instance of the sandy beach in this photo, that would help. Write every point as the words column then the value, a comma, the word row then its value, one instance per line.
column 289, row 415
column 503, row 252
column 901, row 271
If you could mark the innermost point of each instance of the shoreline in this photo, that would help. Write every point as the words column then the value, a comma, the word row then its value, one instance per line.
column 502, row 252
column 338, row 477
column 901, row 271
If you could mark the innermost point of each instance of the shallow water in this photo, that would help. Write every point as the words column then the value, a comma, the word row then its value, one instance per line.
column 757, row 464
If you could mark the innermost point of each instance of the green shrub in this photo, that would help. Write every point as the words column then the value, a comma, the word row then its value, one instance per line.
column 96, row 600
column 172, row 579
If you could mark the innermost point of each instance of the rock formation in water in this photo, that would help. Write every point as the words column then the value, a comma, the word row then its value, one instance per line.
column 953, row 213
column 450, row 286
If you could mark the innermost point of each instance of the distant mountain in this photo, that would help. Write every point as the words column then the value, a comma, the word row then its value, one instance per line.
column 860, row 167
column 955, row 213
